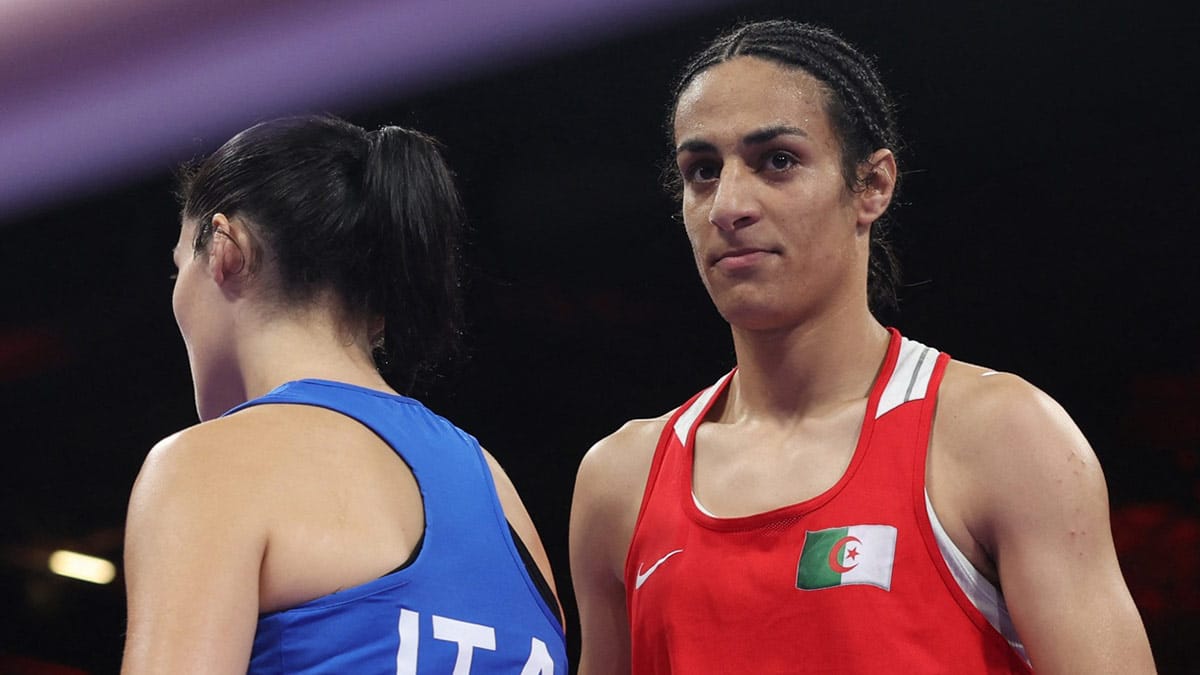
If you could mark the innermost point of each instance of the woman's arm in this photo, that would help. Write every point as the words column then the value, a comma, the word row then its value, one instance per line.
column 193, row 548
column 608, row 494
column 1039, row 505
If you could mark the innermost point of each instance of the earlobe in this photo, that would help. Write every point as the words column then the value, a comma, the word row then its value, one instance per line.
column 879, row 186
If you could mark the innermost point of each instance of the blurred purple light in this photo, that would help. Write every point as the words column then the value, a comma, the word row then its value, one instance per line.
column 80, row 111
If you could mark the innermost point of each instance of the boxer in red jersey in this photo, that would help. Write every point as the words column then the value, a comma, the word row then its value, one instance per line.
column 846, row 500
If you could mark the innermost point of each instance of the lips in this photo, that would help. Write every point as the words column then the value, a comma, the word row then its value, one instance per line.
column 741, row 258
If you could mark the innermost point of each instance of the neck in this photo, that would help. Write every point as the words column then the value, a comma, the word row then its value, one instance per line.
column 281, row 347
column 789, row 373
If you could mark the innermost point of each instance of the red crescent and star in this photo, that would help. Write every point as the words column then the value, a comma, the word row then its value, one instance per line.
column 852, row 554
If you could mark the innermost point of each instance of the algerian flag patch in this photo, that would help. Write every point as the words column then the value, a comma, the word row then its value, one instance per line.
column 841, row 556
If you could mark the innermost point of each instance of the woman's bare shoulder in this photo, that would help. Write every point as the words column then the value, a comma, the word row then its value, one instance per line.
column 623, row 457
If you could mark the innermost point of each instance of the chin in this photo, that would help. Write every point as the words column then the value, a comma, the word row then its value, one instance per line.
column 756, row 318
column 755, row 311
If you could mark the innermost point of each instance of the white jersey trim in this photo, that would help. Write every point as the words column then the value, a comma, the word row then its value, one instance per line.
column 987, row 598
column 683, row 425
column 910, row 379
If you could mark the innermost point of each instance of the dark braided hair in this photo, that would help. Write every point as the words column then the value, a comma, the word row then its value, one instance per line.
column 372, row 217
column 858, row 105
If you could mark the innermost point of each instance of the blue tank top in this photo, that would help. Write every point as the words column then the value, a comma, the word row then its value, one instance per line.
column 464, row 605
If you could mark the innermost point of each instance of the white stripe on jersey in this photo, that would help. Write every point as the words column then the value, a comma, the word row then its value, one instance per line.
column 683, row 425
column 910, row 379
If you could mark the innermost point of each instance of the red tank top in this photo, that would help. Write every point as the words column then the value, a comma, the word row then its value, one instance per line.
column 850, row 581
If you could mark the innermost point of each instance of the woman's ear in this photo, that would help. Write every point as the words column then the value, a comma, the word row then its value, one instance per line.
column 879, row 183
column 231, row 250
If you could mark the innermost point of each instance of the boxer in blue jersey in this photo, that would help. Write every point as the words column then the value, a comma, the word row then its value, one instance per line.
column 318, row 520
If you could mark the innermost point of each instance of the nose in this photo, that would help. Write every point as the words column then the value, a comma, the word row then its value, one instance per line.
column 734, row 203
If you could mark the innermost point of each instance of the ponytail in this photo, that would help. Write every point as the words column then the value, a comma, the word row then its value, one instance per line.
column 372, row 218
column 415, row 217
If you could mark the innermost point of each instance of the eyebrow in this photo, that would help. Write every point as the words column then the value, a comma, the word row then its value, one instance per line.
column 764, row 135
column 770, row 133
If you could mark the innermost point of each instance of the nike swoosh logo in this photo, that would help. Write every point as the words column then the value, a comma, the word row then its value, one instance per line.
column 641, row 578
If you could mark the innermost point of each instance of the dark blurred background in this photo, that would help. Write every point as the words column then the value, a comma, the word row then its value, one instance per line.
column 1048, row 227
